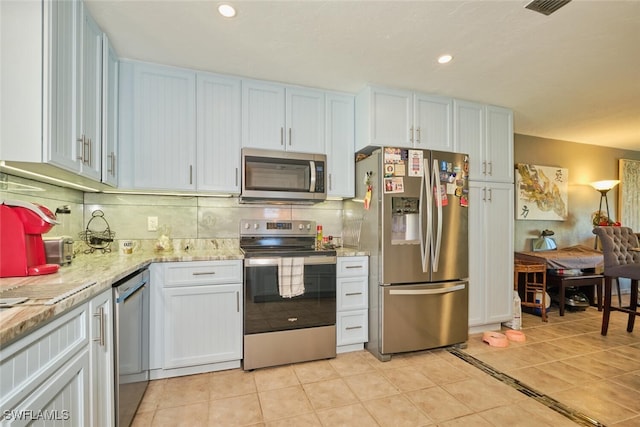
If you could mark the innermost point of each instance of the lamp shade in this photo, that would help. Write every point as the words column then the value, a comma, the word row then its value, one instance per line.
column 605, row 185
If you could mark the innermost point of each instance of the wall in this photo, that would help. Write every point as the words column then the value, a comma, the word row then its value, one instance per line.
column 586, row 163
column 50, row 196
column 187, row 218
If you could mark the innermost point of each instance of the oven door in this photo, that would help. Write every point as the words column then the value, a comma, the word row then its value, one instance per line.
column 266, row 310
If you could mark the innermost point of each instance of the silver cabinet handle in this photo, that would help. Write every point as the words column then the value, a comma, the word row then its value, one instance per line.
column 203, row 273
column 190, row 174
column 281, row 136
column 100, row 316
column 110, row 167
column 484, row 168
column 484, row 194
column 289, row 136
column 348, row 328
column 419, row 136
column 491, row 168
column 237, row 302
column 353, row 266
column 490, row 195
column 81, row 150
column 350, row 294
column 113, row 159
column 330, row 186
column 411, row 134
column 236, row 176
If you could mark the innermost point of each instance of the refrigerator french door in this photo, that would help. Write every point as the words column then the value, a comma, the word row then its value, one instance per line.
column 415, row 220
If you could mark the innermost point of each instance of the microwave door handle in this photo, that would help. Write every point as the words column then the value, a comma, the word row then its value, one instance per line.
column 312, row 185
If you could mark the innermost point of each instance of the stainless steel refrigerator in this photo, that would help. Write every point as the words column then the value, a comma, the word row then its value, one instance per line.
column 413, row 206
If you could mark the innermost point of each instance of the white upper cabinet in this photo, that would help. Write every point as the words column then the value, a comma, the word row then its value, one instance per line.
column 486, row 134
column 340, row 145
column 157, row 127
column 499, row 140
column 384, row 117
column 401, row 118
column 60, row 112
column 89, row 111
column 433, row 122
column 51, row 87
column 305, row 120
column 218, row 133
column 109, row 114
column 278, row 117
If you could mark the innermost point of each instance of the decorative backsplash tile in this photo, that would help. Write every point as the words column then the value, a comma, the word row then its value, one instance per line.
column 184, row 218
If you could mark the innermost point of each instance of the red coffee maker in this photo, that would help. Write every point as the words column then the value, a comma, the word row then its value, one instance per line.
column 22, row 225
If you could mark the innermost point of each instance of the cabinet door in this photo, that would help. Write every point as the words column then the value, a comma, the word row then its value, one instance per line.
column 499, row 142
column 391, row 117
column 109, row 113
column 469, row 135
column 498, row 247
column 340, row 146
column 218, row 133
column 477, row 254
column 202, row 324
column 263, row 115
column 64, row 395
column 491, row 218
column 158, row 132
column 102, row 359
column 433, row 122
column 305, row 120
column 62, row 147
column 89, row 113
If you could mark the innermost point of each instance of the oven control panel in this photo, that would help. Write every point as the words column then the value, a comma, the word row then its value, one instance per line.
column 267, row 227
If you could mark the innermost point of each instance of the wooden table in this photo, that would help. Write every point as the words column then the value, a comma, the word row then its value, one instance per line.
column 531, row 278
column 562, row 282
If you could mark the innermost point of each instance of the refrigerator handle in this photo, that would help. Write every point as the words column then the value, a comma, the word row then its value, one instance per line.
column 427, row 291
column 435, row 251
column 424, row 188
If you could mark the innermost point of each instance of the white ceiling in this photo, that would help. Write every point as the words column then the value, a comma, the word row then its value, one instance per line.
column 573, row 75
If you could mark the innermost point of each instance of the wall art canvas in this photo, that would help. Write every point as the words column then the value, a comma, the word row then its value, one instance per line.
column 541, row 192
column 629, row 193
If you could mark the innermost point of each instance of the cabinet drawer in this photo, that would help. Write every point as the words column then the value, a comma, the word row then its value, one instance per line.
column 352, row 266
column 352, row 327
column 351, row 293
column 202, row 272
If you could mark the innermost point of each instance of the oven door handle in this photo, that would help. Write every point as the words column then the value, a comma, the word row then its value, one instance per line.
column 310, row 260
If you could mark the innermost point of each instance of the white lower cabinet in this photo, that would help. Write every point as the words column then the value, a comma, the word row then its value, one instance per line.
column 352, row 284
column 196, row 317
column 491, row 218
column 58, row 374
column 102, row 359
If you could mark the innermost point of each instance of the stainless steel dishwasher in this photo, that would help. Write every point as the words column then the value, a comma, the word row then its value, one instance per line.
column 131, row 335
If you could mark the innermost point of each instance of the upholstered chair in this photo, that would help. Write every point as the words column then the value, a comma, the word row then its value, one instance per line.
column 620, row 261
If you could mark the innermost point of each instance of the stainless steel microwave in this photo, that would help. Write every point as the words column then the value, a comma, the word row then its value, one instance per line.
column 271, row 175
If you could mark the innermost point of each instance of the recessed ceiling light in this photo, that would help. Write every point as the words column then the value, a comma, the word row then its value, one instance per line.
column 227, row 10
column 445, row 59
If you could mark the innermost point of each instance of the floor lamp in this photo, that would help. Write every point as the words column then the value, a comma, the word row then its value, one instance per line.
column 603, row 187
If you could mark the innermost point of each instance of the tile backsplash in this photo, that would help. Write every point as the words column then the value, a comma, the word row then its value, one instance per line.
column 183, row 217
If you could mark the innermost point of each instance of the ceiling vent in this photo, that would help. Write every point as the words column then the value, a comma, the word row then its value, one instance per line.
column 546, row 7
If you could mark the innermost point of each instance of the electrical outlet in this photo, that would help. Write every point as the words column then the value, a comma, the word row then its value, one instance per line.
column 152, row 223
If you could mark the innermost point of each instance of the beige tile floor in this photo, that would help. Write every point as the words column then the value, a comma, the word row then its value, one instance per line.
column 566, row 359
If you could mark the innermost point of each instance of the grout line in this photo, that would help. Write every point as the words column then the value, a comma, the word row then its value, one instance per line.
column 573, row 415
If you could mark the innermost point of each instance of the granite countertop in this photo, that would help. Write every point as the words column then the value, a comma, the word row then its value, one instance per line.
column 89, row 275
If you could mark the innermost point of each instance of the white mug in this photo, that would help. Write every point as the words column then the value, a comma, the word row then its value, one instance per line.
column 127, row 246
